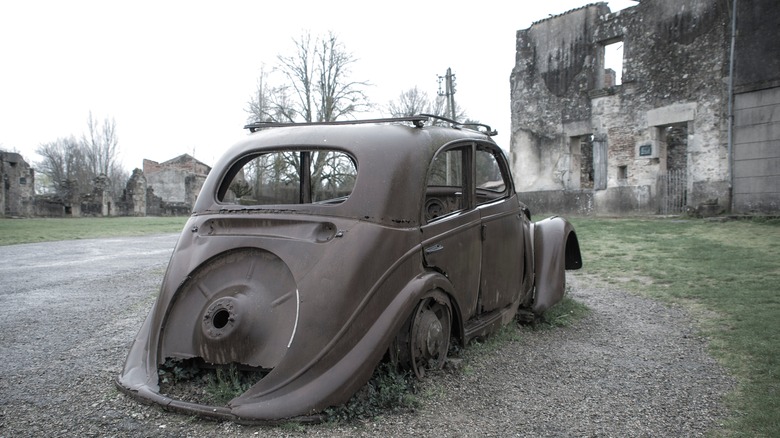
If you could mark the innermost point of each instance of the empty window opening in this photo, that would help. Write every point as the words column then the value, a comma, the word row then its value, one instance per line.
column 613, row 61
column 613, row 64
column 622, row 173
column 586, row 162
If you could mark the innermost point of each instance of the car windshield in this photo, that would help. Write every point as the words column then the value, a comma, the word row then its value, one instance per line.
column 290, row 177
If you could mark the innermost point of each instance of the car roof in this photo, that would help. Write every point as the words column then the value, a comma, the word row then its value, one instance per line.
column 392, row 156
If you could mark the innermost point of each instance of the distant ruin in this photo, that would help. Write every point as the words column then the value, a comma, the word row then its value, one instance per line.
column 653, row 138
column 175, row 184
column 18, row 179
column 161, row 189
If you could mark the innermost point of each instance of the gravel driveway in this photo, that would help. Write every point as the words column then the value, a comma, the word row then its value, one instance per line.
column 70, row 310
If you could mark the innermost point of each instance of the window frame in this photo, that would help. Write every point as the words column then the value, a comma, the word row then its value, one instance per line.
column 305, row 190
column 467, row 190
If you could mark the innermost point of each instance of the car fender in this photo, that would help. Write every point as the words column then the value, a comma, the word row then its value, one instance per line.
column 337, row 384
column 556, row 249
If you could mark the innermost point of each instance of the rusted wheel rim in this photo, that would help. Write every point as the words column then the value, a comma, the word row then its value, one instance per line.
column 430, row 335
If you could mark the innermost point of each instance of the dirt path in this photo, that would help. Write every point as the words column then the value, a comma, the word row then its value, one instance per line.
column 633, row 367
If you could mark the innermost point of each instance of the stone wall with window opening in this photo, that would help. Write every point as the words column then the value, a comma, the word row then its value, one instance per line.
column 672, row 75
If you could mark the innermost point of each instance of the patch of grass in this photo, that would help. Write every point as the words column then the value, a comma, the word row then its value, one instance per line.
column 726, row 273
column 15, row 231
column 193, row 381
column 482, row 346
column 388, row 391
column 225, row 384
column 292, row 426
column 563, row 314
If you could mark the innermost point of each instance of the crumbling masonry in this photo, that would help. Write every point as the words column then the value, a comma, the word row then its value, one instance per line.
column 659, row 141
column 16, row 192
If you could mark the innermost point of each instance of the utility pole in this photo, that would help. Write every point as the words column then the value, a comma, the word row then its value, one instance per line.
column 449, row 91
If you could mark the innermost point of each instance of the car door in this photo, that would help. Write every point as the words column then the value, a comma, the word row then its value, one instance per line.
column 451, row 233
column 501, row 230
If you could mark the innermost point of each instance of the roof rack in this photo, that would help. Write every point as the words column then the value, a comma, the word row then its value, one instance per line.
column 418, row 121
column 488, row 130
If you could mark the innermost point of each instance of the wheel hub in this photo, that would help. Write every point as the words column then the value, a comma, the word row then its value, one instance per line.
column 430, row 334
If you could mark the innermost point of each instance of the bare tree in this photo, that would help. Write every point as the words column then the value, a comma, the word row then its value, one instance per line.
column 268, row 104
column 66, row 165
column 413, row 101
column 71, row 165
column 315, row 85
column 339, row 97
column 101, row 145
column 410, row 102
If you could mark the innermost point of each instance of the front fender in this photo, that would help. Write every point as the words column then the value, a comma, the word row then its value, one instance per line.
column 556, row 249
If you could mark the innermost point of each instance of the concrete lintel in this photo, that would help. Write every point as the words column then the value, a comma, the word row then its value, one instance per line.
column 578, row 128
column 675, row 113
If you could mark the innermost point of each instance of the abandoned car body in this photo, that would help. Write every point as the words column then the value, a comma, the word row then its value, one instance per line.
column 316, row 250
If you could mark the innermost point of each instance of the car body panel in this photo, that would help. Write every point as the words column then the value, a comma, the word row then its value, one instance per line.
column 315, row 294
column 556, row 249
column 500, row 286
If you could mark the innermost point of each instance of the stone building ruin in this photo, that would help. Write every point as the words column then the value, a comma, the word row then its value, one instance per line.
column 654, row 137
column 18, row 179
column 175, row 184
column 169, row 189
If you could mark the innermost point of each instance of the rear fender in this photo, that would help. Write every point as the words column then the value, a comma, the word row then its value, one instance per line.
column 556, row 249
column 337, row 383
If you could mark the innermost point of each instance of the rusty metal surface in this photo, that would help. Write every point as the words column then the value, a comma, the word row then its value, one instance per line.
column 314, row 294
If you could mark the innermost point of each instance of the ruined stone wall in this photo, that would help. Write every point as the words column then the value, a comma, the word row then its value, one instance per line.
column 554, row 70
column 177, row 181
column 100, row 202
column 17, row 181
column 674, row 63
column 192, row 186
column 169, row 184
column 133, row 201
column 48, row 206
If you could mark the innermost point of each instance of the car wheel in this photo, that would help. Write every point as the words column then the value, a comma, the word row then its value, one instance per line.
column 424, row 342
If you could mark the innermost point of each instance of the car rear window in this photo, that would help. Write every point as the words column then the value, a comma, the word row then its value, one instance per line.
column 290, row 177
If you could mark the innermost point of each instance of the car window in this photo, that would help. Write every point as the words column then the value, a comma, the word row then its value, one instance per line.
column 444, row 189
column 490, row 182
column 291, row 177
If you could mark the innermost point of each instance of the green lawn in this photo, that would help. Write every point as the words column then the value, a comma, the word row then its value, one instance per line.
column 13, row 231
column 726, row 273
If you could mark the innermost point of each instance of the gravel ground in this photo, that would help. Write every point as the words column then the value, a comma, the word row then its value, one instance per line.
column 632, row 367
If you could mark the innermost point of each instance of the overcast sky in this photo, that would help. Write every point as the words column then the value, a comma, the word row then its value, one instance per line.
column 176, row 75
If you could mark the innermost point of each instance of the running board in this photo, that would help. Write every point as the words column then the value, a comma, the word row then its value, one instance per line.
column 487, row 323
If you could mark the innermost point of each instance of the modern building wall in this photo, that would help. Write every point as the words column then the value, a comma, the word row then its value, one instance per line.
column 756, row 136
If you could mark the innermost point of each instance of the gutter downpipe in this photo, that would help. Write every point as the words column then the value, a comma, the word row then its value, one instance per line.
column 731, row 106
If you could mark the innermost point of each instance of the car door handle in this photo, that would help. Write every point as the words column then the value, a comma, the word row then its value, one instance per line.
column 434, row 248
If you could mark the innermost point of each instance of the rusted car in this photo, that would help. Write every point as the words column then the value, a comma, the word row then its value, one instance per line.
column 315, row 251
